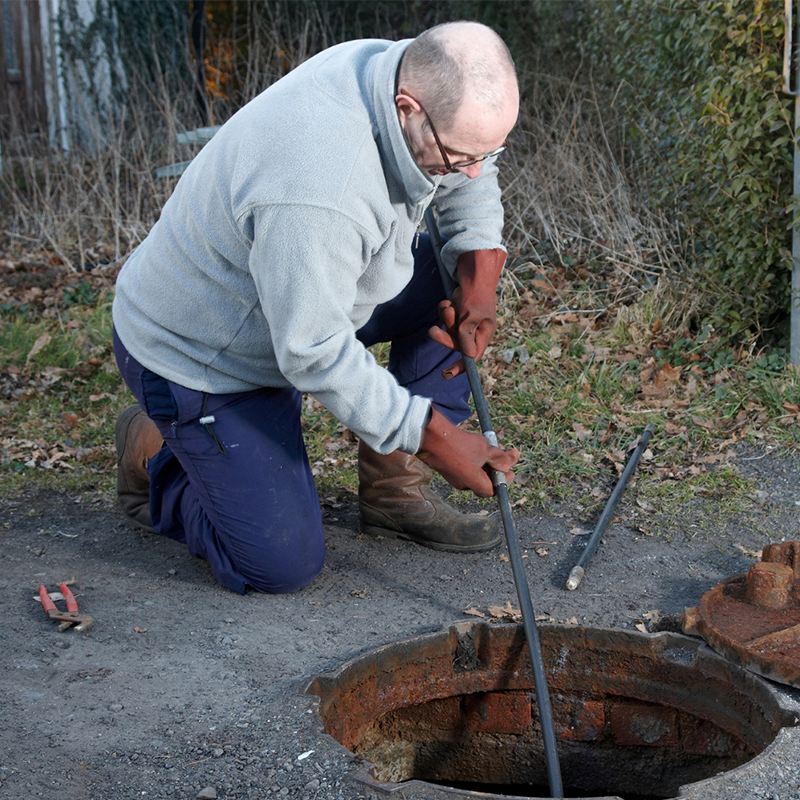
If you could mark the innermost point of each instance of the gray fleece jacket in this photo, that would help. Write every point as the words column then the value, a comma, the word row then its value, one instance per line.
column 285, row 233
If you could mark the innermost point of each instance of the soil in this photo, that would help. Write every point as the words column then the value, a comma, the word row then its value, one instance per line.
column 183, row 689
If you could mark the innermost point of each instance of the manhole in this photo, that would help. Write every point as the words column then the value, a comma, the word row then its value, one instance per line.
column 636, row 715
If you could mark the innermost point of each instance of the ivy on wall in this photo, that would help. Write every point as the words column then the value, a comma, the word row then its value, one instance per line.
column 110, row 46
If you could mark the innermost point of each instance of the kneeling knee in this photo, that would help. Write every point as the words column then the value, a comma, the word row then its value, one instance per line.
column 285, row 575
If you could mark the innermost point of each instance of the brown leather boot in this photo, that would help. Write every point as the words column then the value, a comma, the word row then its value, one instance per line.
column 396, row 500
column 137, row 440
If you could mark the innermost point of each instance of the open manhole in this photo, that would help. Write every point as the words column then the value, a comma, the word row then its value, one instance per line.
column 636, row 715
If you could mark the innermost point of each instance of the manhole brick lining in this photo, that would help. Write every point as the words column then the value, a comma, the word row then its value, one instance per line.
column 634, row 714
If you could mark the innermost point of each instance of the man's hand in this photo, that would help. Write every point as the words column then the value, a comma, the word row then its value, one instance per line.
column 463, row 458
column 470, row 319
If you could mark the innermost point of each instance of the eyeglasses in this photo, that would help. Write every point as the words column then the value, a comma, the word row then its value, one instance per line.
column 459, row 165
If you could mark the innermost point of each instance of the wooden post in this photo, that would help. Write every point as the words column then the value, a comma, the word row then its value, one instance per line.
column 23, row 107
column 790, row 86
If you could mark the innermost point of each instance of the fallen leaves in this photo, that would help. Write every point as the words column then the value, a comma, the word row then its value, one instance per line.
column 38, row 454
column 648, row 616
column 582, row 433
column 506, row 612
column 579, row 532
column 585, row 390
column 667, row 376
column 707, row 424
column 584, row 376
column 714, row 458
column 545, row 287
column 38, row 346
column 750, row 553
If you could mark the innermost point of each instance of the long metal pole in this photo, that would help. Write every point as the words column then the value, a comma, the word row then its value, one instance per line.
column 578, row 571
column 512, row 540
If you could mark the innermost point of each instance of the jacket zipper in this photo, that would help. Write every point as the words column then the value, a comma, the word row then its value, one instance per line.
column 436, row 181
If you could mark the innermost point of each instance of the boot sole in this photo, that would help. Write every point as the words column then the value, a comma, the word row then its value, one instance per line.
column 124, row 421
column 375, row 530
column 121, row 428
column 133, row 521
column 120, row 440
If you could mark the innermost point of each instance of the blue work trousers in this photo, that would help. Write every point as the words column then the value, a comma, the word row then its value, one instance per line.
column 239, row 491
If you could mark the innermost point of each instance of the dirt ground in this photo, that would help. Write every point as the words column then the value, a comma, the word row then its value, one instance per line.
column 183, row 689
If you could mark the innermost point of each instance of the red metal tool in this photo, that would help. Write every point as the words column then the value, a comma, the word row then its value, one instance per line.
column 82, row 622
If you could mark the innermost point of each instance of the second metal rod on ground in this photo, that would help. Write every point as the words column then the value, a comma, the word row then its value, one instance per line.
column 578, row 571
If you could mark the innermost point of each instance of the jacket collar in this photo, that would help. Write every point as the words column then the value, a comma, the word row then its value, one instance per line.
column 395, row 153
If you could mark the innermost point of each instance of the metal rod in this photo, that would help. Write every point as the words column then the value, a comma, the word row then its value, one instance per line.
column 512, row 540
column 578, row 571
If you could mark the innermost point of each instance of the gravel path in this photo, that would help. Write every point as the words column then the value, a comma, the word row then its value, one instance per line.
column 183, row 689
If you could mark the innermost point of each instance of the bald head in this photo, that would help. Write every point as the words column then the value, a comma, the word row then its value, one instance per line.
column 457, row 62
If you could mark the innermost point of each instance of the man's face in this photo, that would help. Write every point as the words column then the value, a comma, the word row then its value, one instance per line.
column 473, row 134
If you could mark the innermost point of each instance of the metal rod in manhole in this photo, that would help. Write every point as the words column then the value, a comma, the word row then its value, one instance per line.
column 512, row 541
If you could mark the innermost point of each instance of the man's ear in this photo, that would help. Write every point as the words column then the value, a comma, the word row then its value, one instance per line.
column 406, row 106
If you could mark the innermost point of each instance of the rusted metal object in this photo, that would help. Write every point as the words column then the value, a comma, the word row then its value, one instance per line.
column 754, row 618
column 633, row 713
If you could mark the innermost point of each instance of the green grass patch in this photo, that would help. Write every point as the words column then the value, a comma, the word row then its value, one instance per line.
column 572, row 397
column 60, row 393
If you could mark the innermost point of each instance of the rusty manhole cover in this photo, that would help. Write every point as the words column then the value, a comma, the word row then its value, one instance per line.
column 636, row 715
column 754, row 618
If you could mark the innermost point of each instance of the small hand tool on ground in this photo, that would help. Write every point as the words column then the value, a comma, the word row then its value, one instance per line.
column 82, row 622
column 578, row 571
column 512, row 540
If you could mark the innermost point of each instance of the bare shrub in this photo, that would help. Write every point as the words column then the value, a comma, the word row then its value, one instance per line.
column 566, row 189
column 569, row 199
column 98, row 200
column 104, row 192
column 247, row 55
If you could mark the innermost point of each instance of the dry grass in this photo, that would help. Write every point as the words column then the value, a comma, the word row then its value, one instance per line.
column 568, row 198
column 251, row 54
column 566, row 188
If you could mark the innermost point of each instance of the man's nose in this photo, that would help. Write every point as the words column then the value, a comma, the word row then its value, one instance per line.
column 473, row 170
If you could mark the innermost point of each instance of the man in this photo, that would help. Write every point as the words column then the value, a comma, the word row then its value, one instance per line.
column 289, row 246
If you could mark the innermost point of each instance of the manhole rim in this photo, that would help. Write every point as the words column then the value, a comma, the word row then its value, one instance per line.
column 788, row 716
